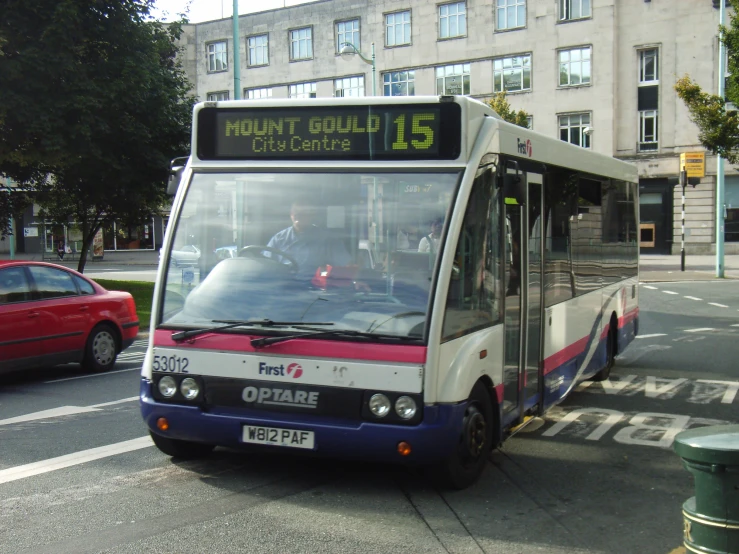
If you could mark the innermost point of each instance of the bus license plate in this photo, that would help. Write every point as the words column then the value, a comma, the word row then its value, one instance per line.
column 279, row 437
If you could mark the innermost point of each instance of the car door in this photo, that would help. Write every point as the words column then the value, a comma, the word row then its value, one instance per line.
column 20, row 344
column 64, row 314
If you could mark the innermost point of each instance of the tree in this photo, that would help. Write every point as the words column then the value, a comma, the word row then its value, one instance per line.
column 718, row 130
column 500, row 105
column 94, row 106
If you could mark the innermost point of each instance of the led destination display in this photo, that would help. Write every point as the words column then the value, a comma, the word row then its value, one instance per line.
column 393, row 132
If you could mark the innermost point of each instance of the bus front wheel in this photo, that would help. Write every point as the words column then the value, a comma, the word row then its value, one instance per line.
column 470, row 455
column 185, row 450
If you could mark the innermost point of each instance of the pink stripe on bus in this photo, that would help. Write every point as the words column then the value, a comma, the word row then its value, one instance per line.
column 565, row 355
column 318, row 348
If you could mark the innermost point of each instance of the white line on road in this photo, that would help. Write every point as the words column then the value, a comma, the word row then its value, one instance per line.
column 652, row 335
column 45, row 414
column 735, row 325
column 693, row 298
column 76, row 458
column 64, row 411
column 699, row 330
column 718, row 305
column 121, row 401
column 669, row 292
column 650, row 287
column 93, row 375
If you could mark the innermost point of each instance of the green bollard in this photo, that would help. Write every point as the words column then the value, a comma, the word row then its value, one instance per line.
column 711, row 517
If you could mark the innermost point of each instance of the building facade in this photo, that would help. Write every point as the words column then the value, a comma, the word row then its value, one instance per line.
column 597, row 73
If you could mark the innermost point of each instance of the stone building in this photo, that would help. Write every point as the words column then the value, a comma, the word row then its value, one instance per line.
column 597, row 73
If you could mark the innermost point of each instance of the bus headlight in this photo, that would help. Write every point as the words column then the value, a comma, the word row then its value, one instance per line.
column 379, row 405
column 167, row 386
column 189, row 388
column 405, row 407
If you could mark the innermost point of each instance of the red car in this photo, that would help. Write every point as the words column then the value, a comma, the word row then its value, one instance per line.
column 52, row 315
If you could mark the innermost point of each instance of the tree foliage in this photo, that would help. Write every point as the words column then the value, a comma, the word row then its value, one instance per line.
column 501, row 106
column 718, row 129
column 94, row 104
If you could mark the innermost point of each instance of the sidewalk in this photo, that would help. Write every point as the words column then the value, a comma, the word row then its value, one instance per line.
column 697, row 268
column 121, row 257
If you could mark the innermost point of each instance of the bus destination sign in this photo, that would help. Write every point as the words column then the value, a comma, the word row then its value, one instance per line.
column 378, row 132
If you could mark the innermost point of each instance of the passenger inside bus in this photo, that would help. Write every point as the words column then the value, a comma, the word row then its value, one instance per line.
column 430, row 243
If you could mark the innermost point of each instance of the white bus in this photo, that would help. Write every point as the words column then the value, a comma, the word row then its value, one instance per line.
column 398, row 279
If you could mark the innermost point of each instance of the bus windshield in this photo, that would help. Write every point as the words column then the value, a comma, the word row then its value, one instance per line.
column 355, row 251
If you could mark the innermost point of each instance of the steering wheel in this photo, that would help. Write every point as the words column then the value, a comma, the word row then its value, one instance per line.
column 256, row 252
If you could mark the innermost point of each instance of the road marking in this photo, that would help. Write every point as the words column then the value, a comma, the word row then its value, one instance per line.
column 650, row 336
column 76, row 458
column 735, row 325
column 93, row 375
column 53, row 412
column 699, row 330
column 64, row 411
column 121, row 401
column 669, row 292
column 693, row 298
column 650, row 287
column 718, row 305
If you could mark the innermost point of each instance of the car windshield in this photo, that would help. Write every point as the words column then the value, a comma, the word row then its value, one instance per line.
column 354, row 250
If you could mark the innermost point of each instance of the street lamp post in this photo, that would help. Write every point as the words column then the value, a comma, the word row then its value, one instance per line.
column 348, row 50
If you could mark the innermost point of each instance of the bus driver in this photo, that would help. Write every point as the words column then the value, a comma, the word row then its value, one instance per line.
column 308, row 243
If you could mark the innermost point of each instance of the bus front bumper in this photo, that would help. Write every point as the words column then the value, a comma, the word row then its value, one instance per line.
column 430, row 441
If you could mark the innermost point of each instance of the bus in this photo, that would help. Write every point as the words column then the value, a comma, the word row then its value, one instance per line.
column 409, row 280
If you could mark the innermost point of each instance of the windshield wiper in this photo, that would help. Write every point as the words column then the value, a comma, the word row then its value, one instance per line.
column 229, row 324
column 324, row 333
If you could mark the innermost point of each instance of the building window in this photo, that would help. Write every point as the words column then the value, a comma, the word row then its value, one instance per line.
column 347, row 32
column 512, row 74
column 399, row 83
column 572, row 129
column 648, row 139
column 453, row 79
column 648, row 67
column 574, row 67
column 452, row 20
column 303, row 90
column 258, row 50
column 257, row 93
column 301, row 44
column 217, row 56
column 573, row 9
column 217, row 96
column 398, row 28
column 511, row 14
column 349, row 86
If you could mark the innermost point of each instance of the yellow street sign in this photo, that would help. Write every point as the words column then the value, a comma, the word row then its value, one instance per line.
column 694, row 163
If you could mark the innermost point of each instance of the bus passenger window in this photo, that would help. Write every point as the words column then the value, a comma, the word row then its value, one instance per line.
column 473, row 300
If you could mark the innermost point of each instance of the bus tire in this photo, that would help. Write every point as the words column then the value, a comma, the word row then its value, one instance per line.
column 471, row 453
column 184, row 450
column 611, row 349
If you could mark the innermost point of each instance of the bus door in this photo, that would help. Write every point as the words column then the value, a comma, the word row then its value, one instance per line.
column 523, row 296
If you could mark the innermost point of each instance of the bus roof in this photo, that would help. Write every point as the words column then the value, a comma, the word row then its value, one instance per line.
column 428, row 131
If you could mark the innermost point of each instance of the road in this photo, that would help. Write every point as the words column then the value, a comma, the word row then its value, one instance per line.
column 596, row 475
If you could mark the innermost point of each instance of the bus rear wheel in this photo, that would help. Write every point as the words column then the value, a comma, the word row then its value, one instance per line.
column 604, row 373
column 467, row 462
column 185, row 450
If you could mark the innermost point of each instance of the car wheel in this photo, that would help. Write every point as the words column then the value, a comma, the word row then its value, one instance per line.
column 470, row 455
column 101, row 349
column 185, row 450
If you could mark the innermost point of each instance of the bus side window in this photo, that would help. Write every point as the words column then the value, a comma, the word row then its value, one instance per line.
column 473, row 300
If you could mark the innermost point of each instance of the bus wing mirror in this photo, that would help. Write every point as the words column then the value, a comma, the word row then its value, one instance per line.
column 176, row 169
column 174, row 180
column 514, row 188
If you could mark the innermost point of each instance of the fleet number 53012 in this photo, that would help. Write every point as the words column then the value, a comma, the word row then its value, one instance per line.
column 170, row 364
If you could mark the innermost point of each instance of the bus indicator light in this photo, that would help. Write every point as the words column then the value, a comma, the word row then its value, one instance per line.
column 404, row 449
column 162, row 424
